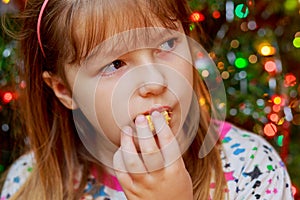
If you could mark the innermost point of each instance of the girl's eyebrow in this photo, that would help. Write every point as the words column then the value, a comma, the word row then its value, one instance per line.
column 164, row 34
column 136, row 39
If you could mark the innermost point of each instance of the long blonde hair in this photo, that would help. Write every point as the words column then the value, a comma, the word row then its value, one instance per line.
column 53, row 139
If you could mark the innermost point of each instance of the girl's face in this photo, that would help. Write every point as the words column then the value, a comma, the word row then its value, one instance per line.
column 132, row 73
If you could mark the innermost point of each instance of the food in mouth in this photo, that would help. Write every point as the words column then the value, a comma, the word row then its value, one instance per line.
column 166, row 116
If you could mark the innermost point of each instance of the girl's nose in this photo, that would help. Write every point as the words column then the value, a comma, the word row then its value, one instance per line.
column 153, row 82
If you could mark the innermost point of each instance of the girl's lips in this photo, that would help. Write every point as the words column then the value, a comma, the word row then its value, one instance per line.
column 159, row 109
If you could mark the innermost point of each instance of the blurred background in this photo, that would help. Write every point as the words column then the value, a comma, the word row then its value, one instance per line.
column 256, row 47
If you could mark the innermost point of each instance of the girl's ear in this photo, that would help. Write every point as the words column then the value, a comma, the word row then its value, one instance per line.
column 60, row 90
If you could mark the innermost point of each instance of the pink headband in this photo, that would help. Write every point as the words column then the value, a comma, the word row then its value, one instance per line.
column 39, row 26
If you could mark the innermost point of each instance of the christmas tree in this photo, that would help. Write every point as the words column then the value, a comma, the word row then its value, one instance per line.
column 10, row 85
column 256, row 47
column 7, row 107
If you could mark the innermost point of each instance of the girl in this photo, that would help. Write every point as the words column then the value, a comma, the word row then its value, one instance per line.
column 112, row 110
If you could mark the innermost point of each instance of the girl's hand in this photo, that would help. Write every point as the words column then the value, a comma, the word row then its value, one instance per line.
column 159, row 171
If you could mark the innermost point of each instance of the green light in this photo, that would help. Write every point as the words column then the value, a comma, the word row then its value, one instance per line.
column 1, row 168
column 280, row 140
column 290, row 5
column 192, row 27
column 242, row 11
column 296, row 42
column 241, row 63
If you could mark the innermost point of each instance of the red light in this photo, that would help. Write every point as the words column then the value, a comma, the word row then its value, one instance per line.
column 200, row 55
column 274, row 118
column 270, row 66
column 197, row 17
column 276, row 108
column 290, row 80
column 270, row 130
column 294, row 190
column 216, row 14
column 7, row 97
column 23, row 84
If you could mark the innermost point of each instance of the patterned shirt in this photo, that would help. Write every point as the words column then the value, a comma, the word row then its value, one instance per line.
column 252, row 168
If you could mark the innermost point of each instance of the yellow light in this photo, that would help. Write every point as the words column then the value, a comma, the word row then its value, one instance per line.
column 202, row 101
column 281, row 121
column 225, row 75
column 205, row 73
column 266, row 49
column 277, row 100
column 235, row 44
column 6, row 1
column 252, row 59
column 221, row 65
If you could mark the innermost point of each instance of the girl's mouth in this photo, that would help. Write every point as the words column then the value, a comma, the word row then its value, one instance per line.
column 166, row 115
column 159, row 109
column 165, row 111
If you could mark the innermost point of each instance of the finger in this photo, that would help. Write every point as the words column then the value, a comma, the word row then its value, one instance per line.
column 120, row 169
column 118, row 163
column 131, row 158
column 150, row 151
column 167, row 141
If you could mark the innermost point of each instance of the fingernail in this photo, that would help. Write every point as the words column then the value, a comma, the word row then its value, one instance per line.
column 141, row 119
column 156, row 114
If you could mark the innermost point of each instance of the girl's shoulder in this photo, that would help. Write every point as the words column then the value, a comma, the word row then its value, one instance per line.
column 17, row 175
column 252, row 166
column 245, row 149
column 22, row 168
column 238, row 142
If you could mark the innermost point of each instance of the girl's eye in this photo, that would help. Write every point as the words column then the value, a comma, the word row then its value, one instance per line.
column 168, row 45
column 112, row 67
